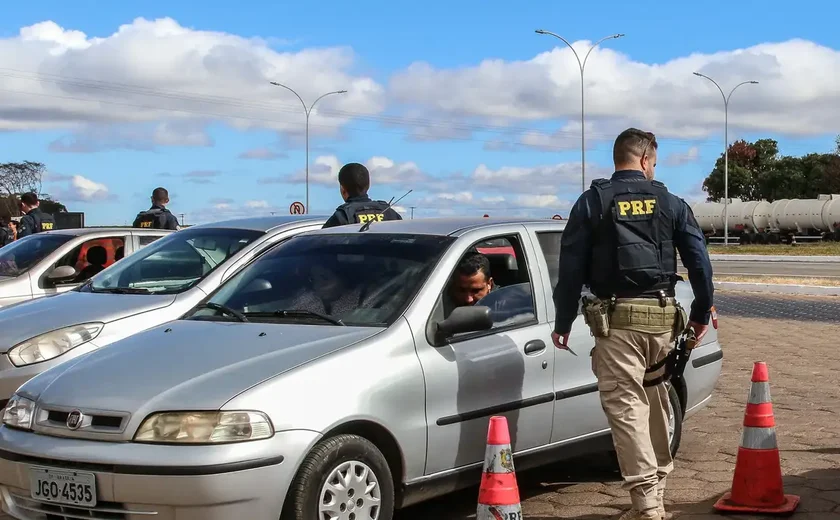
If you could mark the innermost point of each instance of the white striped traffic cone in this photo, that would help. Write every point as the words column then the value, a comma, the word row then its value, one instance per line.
column 498, row 495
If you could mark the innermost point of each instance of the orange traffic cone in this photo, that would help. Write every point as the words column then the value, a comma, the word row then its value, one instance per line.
column 498, row 495
column 757, row 483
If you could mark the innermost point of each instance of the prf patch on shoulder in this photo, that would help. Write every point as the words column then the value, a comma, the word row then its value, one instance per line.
column 634, row 206
column 47, row 226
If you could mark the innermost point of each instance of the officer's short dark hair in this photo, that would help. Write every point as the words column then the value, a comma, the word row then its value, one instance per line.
column 30, row 199
column 355, row 179
column 473, row 263
column 160, row 195
column 631, row 144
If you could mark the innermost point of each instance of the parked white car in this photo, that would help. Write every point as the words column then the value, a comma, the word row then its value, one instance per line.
column 54, row 262
column 153, row 286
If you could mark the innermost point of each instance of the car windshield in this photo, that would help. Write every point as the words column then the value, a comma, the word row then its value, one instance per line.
column 342, row 279
column 174, row 263
column 22, row 255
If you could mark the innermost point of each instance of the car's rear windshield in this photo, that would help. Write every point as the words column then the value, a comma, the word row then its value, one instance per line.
column 359, row 279
column 174, row 263
column 24, row 254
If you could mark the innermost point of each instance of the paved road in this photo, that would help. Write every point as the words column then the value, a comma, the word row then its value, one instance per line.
column 812, row 269
column 797, row 337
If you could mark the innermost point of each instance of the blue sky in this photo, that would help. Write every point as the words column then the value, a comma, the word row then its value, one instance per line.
column 457, row 101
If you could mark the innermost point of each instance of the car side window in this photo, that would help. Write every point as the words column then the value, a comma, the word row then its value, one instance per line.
column 510, row 298
column 550, row 246
column 145, row 240
column 92, row 256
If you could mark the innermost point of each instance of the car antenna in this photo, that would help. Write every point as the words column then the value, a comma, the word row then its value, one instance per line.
column 390, row 203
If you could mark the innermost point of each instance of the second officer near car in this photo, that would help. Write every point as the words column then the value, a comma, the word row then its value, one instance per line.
column 622, row 239
column 157, row 217
column 358, row 208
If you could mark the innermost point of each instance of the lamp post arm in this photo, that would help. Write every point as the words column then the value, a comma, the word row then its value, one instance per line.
column 305, row 109
column 733, row 89
column 564, row 40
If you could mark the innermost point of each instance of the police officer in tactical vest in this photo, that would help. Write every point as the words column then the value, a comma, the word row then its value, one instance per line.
column 354, row 182
column 157, row 217
column 621, row 240
column 33, row 220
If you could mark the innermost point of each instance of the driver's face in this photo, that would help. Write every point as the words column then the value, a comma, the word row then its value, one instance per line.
column 468, row 289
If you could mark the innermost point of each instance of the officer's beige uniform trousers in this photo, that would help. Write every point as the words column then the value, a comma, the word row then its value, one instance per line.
column 637, row 415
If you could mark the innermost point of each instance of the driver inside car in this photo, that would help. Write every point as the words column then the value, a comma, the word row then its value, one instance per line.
column 470, row 282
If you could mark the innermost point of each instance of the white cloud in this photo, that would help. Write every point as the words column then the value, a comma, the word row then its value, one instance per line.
column 77, row 188
column 256, row 204
column 157, row 70
column 383, row 171
column 263, row 154
column 685, row 157
column 796, row 77
column 536, row 179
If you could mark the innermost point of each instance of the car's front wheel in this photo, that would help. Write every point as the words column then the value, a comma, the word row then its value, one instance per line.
column 344, row 477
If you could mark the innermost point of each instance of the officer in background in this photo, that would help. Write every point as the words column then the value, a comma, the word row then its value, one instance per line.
column 621, row 240
column 33, row 220
column 354, row 182
column 7, row 233
column 157, row 217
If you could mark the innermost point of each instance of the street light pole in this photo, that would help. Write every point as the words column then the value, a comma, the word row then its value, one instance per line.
column 726, row 151
column 582, row 65
column 308, row 111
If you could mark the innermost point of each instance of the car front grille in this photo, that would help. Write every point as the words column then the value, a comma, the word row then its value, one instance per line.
column 50, row 419
column 37, row 510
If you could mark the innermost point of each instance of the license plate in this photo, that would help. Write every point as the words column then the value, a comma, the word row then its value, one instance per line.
column 63, row 487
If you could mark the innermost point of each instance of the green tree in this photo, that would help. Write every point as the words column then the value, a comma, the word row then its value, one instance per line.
column 17, row 178
column 747, row 161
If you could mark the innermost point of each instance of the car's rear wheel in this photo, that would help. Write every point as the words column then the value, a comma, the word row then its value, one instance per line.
column 344, row 477
column 675, row 419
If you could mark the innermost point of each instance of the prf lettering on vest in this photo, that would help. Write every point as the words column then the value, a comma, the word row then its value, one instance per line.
column 46, row 226
column 364, row 219
column 145, row 224
column 636, row 207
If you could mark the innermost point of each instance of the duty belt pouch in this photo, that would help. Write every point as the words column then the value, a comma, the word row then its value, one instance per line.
column 680, row 322
column 596, row 315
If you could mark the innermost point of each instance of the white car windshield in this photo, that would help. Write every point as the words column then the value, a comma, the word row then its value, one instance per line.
column 174, row 263
column 23, row 254
column 354, row 279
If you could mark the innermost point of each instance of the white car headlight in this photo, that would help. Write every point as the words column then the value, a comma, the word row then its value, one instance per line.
column 19, row 412
column 204, row 427
column 53, row 344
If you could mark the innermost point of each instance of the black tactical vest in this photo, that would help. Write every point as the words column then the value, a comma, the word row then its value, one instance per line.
column 633, row 253
column 364, row 212
column 154, row 218
column 43, row 221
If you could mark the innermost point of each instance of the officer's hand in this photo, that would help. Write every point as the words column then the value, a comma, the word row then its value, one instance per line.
column 560, row 341
column 699, row 330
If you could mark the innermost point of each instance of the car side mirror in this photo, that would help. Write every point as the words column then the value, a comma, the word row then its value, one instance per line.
column 62, row 273
column 464, row 319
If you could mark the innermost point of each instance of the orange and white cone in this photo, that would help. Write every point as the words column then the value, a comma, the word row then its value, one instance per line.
column 757, row 484
column 498, row 495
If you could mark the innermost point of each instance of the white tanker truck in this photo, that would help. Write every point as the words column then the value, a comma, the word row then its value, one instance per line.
column 763, row 222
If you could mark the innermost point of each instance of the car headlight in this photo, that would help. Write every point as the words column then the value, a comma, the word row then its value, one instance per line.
column 19, row 412
column 204, row 427
column 53, row 344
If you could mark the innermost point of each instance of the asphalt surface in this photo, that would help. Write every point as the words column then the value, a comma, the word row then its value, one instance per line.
column 797, row 337
column 781, row 269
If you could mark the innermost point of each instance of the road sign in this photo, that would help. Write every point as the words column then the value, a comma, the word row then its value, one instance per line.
column 557, row 217
column 296, row 208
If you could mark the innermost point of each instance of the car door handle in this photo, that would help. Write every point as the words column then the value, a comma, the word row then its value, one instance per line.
column 534, row 346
